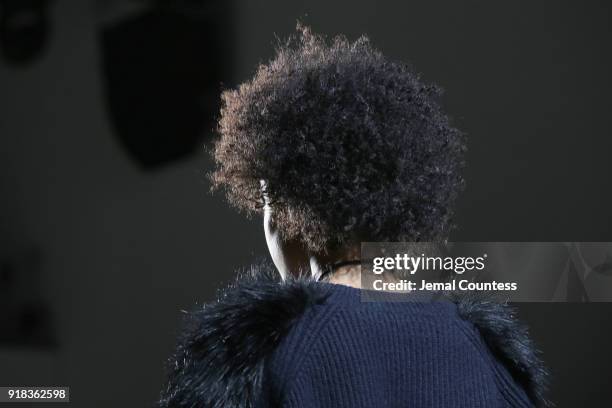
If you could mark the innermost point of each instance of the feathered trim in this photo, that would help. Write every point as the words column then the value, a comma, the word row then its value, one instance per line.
column 219, row 357
column 508, row 339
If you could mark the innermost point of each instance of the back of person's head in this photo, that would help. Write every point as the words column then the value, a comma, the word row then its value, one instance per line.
column 350, row 145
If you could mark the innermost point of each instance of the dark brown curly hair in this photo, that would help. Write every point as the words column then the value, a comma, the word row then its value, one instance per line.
column 353, row 147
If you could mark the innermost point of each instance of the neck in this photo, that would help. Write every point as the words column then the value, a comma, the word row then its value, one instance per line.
column 348, row 275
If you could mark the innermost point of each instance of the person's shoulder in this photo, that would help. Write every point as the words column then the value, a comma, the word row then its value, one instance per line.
column 507, row 338
column 221, row 350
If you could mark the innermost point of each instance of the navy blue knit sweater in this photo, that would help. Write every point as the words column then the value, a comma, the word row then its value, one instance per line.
column 301, row 343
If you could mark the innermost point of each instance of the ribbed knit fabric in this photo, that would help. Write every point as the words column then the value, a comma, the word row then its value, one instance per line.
column 349, row 353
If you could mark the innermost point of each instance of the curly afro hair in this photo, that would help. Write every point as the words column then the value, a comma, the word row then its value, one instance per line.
column 352, row 147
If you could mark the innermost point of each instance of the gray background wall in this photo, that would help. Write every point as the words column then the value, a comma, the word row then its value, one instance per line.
column 125, row 250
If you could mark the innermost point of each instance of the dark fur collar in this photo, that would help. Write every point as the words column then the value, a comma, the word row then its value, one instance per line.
column 219, row 357
column 508, row 339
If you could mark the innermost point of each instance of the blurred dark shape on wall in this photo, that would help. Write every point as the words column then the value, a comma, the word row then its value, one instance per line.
column 24, row 30
column 25, row 317
column 164, row 68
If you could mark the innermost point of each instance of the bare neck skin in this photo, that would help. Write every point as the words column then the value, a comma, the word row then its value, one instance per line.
column 349, row 275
